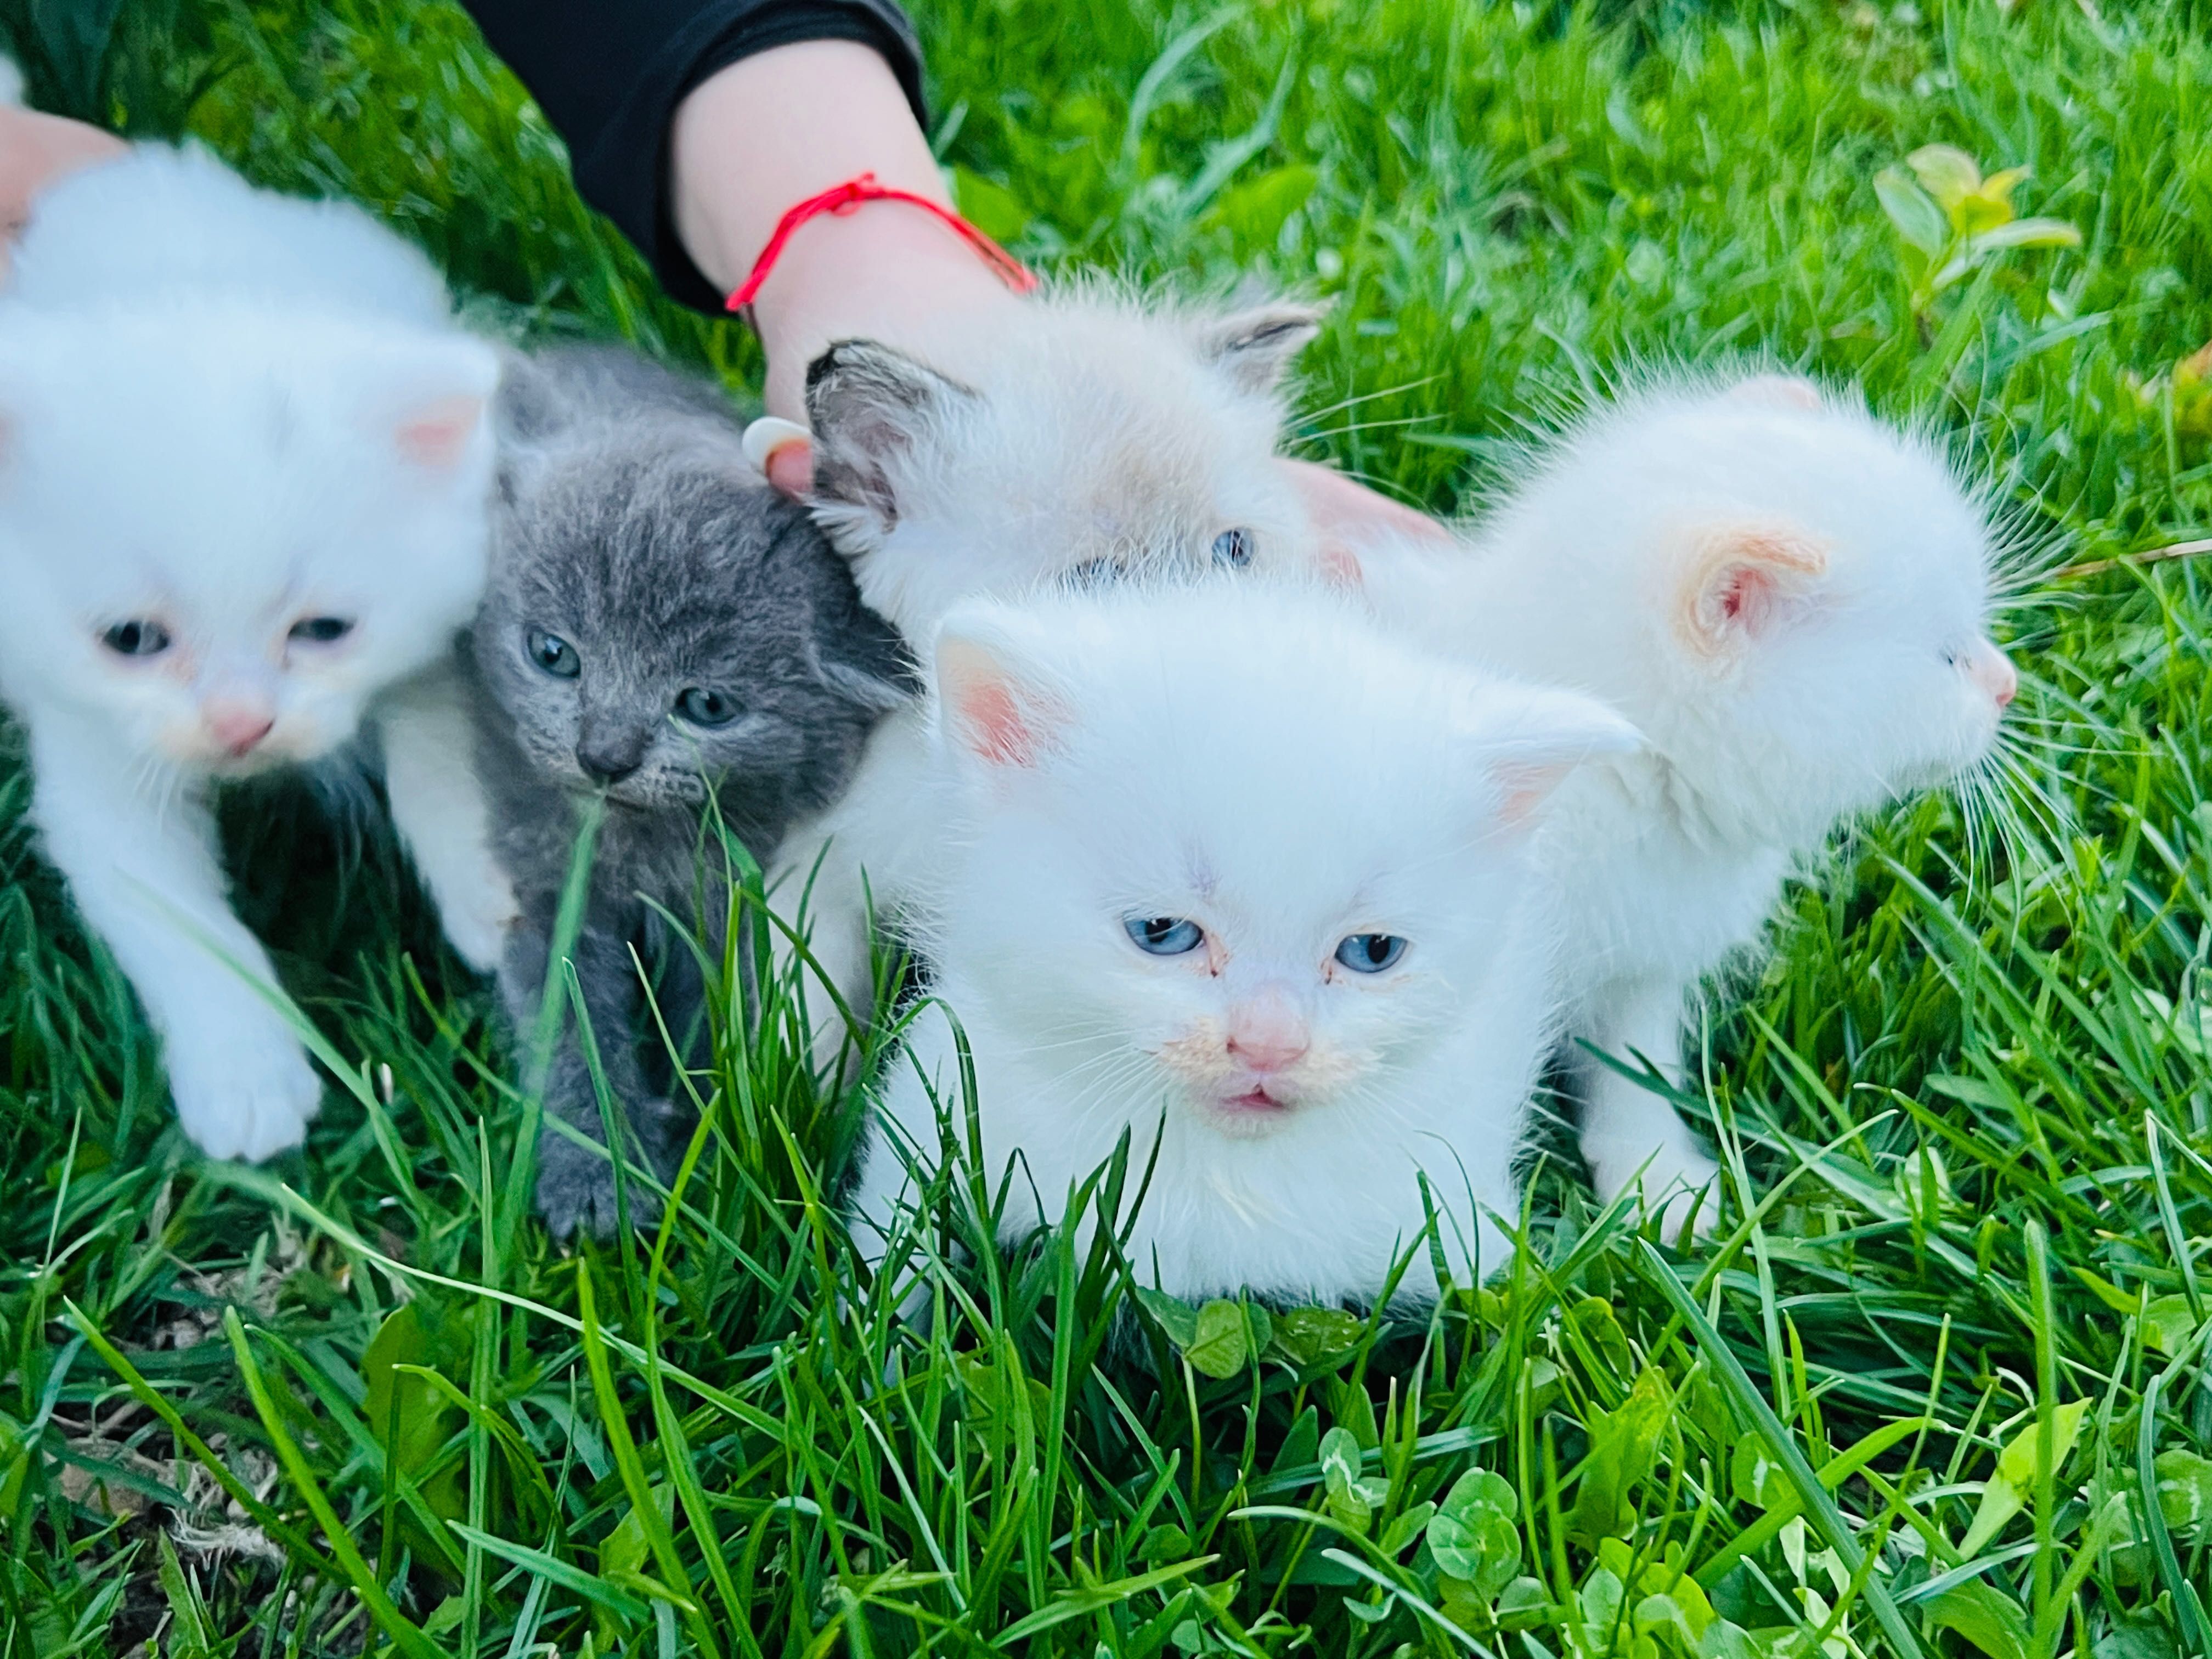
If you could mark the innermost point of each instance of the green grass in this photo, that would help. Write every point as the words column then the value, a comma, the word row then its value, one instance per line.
column 1973, row 1105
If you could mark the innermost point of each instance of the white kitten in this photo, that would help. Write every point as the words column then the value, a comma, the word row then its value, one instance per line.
column 243, row 465
column 1789, row 599
column 1237, row 873
column 177, row 221
column 1087, row 437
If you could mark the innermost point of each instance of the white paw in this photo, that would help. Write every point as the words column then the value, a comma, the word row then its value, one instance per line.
column 244, row 1092
column 1672, row 1181
column 477, row 927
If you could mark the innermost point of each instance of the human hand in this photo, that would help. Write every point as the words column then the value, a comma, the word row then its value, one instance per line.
column 753, row 139
column 35, row 149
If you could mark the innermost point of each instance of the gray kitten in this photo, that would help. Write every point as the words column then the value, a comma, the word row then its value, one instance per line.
column 661, row 628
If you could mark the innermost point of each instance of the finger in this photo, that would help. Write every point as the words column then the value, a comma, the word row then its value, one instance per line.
column 784, row 451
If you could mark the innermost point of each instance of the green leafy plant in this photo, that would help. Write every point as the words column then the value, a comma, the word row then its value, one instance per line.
column 1955, row 222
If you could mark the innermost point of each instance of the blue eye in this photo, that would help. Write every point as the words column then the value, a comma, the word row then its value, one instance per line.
column 553, row 653
column 703, row 707
column 1232, row 549
column 1165, row 936
column 1370, row 953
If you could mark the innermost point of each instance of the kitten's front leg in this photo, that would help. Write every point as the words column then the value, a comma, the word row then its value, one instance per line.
column 576, row 1181
column 440, row 809
column 1628, row 1132
column 840, row 959
column 898, row 1158
column 142, row 866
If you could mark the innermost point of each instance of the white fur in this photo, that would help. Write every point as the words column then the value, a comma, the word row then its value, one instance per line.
column 427, row 739
column 1087, row 429
column 1834, row 690
column 1104, row 427
column 1274, row 768
column 226, row 413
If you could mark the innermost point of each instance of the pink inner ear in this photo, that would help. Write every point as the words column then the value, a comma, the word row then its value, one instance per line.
column 1744, row 578
column 996, row 730
column 436, row 434
column 1777, row 392
column 1526, row 788
column 1745, row 594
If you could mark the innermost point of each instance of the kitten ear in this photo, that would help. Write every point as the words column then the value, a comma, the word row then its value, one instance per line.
column 997, row 705
column 436, row 434
column 867, row 665
column 431, row 403
column 1744, row 581
column 1532, row 739
column 1255, row 348
column 1778, row 392
column 872, row 410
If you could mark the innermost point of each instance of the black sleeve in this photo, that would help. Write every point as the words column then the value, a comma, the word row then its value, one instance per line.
column 609, row 74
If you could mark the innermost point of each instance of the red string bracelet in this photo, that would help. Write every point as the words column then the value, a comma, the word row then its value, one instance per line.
column 846, row 199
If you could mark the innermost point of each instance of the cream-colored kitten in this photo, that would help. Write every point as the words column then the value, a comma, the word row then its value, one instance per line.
column 1791, row 599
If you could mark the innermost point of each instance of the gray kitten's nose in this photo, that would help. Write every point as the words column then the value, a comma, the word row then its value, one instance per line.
column 610, row 759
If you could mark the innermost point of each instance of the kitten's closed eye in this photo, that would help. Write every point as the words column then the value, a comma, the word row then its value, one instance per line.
column 1165, row 936
column 322, row 630
column 1232, row 549
column 703, row 707
column 1370, row 953
column 552, row 654
column 137, row 638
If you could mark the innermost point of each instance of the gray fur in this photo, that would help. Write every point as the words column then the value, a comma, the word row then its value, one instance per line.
column 632, row 527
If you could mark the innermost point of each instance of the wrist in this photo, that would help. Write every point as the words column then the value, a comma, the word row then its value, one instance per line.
column 752, row 141
column 887, row 271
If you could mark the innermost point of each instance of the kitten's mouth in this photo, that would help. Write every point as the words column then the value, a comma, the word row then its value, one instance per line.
column 236, row 768
column 632, row 799
column 1255, row 1100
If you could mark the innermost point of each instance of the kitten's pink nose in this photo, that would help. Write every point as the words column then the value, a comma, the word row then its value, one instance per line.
column 1992, row 671
column 236, row 723
column 1267, row 1033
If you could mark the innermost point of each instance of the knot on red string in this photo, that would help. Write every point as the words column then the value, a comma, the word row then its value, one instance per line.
column 847, row 196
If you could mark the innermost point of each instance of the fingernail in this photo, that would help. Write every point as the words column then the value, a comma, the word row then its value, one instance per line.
column 769, row 434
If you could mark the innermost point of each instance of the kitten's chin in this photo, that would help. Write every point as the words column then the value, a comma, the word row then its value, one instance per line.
column 1941, row 772
column 651, row 798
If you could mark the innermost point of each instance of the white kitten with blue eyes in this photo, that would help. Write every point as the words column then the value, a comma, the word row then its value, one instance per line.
column 1238, row 872
column 1791, row 600
column 243, row 477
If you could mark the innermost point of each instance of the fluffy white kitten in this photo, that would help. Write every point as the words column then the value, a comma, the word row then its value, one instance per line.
column 1791, row 599
column 1239, row 873
column 243, row 465
column 1088, row 437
